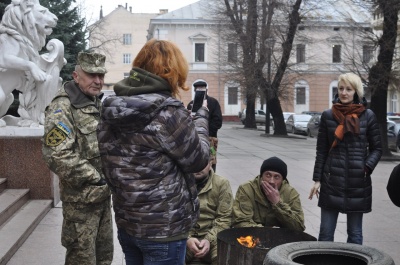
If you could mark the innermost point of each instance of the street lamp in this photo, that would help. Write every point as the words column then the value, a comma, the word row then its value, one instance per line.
column 269, row 42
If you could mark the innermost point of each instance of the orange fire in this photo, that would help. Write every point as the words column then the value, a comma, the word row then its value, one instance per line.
column 248, row 241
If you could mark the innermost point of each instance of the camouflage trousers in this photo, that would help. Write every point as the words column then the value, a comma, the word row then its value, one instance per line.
column 214, row 143
column 210, row 258
column 87, row 233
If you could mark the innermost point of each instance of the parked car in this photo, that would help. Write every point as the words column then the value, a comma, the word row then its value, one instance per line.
column 313, row 125
column 393, row 118
column 259, row 116
column 311, row 112
column 297, row 123
column 393, row 135
column 286, row 115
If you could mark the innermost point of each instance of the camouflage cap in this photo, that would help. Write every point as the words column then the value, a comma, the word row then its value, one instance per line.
column 92, row 62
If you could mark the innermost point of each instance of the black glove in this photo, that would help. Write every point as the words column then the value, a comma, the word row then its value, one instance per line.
column 101, row 182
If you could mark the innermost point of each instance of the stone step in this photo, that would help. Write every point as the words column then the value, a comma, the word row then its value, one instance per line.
column 17, row 229
column 3, row 184
column 10, row 201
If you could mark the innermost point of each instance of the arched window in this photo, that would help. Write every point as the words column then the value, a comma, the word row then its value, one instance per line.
column 332, row 91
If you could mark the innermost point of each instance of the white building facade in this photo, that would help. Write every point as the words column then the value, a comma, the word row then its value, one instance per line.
column 324, row 47
column 326, row 44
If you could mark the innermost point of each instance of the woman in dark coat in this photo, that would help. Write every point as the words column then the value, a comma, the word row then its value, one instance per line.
column 348, row 149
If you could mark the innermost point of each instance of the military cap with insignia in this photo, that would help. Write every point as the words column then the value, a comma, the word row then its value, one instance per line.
column 92, row 63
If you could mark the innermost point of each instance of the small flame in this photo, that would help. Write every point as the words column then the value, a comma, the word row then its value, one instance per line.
column 248, row 241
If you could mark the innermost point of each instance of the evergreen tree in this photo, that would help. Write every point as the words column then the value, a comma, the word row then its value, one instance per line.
column 69, row 30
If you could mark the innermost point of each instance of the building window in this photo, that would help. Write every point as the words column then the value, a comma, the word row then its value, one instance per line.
column 336, row 53
column 301, row 53
column 334, row 92
column 394, row 103
column 232, row 95
column 300, row 95
column 126, row 75
column 126, row 58
column 199, row 52
column 232, row 52
column 367, row 53
column 127, row 39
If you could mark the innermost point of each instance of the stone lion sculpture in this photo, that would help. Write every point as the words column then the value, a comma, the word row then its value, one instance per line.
column 23, row 30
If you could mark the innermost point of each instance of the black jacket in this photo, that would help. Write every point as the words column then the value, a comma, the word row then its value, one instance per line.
column 393, row 186
column 345, row 185
column 215, row 115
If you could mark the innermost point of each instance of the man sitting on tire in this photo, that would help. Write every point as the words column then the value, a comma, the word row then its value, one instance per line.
column 268, row 200
column 215, row 196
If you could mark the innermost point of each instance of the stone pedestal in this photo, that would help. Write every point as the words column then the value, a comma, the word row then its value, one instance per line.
column 21, row 163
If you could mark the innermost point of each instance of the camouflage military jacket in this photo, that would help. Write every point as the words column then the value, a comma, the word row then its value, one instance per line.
column 70, row 146
column 215, row 208
column 149, row 145
column 252, row 209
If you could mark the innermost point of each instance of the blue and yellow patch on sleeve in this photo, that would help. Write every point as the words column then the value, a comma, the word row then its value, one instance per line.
column 64, row 128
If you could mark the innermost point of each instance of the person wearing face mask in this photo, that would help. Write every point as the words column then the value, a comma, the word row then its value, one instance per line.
column 348, row 150
column 268, row 200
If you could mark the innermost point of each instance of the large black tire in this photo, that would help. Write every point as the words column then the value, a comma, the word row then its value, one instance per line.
column 327, row 253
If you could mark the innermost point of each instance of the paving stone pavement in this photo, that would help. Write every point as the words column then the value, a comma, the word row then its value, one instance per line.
column 240, row 155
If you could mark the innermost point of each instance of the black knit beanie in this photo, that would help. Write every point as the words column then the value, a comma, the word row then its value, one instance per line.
column 274, row 164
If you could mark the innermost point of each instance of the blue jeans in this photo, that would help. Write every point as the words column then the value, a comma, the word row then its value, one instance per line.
column 145, row 252
column 328, row 226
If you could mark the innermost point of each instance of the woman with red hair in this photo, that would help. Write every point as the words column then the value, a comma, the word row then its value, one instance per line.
column 149, row 146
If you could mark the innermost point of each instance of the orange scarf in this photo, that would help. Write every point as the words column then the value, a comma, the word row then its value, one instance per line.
column 347, row 117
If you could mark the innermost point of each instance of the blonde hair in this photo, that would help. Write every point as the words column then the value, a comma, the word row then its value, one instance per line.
column 163, row 58
column 353, row 80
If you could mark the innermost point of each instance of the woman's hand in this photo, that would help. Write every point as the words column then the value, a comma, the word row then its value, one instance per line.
column 315, row 190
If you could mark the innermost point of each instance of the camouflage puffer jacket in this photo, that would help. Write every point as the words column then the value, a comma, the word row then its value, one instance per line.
column 149, row 145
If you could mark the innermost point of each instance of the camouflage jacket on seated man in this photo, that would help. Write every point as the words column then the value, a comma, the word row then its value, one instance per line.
column 252, row 209
column 215, row 208
column 70, row 146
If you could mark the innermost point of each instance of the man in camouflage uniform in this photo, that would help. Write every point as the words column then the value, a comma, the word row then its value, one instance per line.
column 216, row 199
column 268, row 200
column 70, row 149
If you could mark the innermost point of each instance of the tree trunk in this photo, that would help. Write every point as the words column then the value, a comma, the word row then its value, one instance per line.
column 274, row 102
column 379, row 75
column 276, row 112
